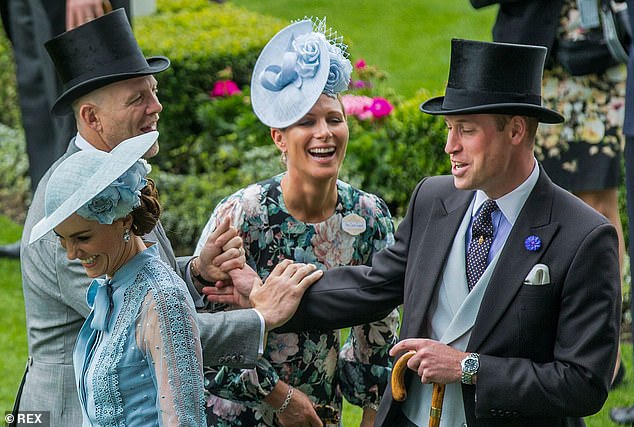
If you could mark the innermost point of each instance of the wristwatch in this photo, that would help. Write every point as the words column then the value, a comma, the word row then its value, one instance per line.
column 470, row 366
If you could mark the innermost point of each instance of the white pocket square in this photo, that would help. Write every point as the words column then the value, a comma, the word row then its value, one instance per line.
column 539, row 275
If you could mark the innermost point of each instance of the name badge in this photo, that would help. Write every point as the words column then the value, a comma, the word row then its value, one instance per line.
column 353, row 224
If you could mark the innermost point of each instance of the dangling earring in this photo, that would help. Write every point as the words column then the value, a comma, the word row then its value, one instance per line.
column 126, row 236
column 283, row 157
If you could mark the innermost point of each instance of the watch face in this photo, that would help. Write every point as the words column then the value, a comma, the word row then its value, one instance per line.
column 471, row 365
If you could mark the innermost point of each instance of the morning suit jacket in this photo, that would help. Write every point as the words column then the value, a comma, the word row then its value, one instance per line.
column 55, row 302
column 547, row 352
column 525, row 22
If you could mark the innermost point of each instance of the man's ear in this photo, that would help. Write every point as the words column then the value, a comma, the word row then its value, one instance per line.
column 89, row 117
column 519, row 128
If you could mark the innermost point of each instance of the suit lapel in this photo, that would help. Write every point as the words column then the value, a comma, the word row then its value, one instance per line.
column 438, row 234
column 515, row 260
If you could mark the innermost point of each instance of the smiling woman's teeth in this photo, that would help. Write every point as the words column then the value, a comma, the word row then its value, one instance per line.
column 325, row 150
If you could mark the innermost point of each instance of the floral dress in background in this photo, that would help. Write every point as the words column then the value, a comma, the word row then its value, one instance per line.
column 310, row 361
column 583, row 153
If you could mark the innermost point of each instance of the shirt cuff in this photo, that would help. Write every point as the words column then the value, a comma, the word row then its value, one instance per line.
column 262, row 326
column 199, row 300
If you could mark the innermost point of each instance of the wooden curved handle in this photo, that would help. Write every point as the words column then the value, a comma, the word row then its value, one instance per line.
column 399, row 391
column 107, row 7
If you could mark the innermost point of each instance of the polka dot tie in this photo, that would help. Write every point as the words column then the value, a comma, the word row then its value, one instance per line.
column 481, row 239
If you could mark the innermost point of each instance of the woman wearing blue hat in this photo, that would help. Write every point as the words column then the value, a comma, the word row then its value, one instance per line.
column 305, row 214
column 138, row 357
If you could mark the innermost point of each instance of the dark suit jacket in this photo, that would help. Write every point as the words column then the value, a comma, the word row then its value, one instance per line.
column 547, row 352
column 628, row 125
column 525, row 22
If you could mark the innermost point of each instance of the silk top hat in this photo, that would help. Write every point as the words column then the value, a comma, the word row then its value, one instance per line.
column 494, row 78
column 85, row 174
column 295, row 67
column 97, row 53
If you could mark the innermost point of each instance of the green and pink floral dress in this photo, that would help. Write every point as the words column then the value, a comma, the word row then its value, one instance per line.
column 310, row 361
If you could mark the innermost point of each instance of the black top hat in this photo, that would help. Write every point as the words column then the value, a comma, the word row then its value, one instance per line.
column 97, row 53
column 494, row 78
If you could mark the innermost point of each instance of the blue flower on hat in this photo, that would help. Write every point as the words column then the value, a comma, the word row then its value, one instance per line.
column 339, row 73
column 118, row 199
column 307, row 48
column 532, row 243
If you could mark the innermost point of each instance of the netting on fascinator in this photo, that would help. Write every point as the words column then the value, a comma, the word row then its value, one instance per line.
column 340, row 66
column 298, row 64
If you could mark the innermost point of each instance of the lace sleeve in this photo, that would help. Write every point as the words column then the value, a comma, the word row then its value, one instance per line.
column 168, row 334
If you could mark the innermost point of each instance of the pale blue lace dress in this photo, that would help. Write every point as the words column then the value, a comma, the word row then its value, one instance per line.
column 138, row 360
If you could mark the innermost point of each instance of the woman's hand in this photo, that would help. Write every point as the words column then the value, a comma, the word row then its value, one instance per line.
column 298, row 413
column 221, row 253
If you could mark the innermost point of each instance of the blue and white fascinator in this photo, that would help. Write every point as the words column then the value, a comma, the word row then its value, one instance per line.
column 296, row 66
column 99, row 186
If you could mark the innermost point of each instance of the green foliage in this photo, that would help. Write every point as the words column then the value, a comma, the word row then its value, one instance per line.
column 390, row 157
column 9, row 107
column 14, row 168
column 190, row 199
column 201, row 39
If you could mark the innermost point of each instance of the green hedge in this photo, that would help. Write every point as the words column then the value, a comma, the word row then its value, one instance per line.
column 9, row 107
column 202, row 39
column 14, row 167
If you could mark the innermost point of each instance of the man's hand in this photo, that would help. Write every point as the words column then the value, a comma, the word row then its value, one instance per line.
column 79, row 12
column 434, row 362
column 278, row 298
column 236, row 291
column 221, row 253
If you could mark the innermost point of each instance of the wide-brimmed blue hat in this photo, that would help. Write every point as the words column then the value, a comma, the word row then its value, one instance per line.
column 296, row 66
column 84, row 175
column 494, row 78
column 96, row 54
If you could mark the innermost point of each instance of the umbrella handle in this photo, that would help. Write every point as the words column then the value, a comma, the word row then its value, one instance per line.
column 107, row 7
column 399, row 391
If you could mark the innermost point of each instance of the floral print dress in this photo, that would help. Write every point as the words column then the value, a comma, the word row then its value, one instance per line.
column 583, row 153
column 311, row 361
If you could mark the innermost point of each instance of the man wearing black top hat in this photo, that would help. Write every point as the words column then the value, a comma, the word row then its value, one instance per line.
column 510, row 284
column 28, row 24
column 109, row 86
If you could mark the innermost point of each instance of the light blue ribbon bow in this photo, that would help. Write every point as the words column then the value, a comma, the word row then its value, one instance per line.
column 99, row 298
column 282, row 75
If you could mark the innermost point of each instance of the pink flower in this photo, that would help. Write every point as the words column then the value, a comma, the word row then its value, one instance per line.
column 224, row 88
column 282, row 346
column 381, row 107
column 359, row 84
column 360, row 64
column 358, row 106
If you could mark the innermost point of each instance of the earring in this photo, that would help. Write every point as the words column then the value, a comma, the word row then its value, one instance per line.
column 283, row 157
column 126, row 236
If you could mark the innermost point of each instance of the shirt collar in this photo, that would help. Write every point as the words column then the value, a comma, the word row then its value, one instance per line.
column 512, row 203
column 82, row 144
